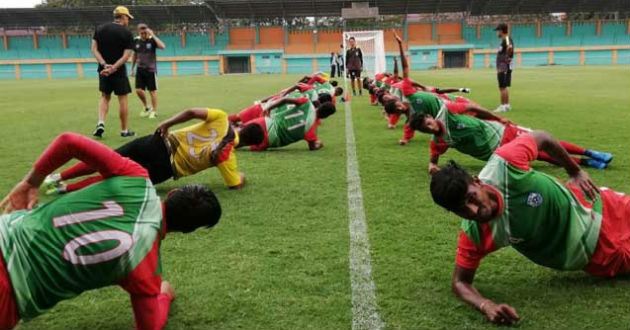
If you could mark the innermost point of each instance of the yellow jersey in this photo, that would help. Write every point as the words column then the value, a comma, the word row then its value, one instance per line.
column 205, row 144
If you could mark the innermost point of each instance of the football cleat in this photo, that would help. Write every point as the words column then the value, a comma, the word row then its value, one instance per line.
column 603, row 157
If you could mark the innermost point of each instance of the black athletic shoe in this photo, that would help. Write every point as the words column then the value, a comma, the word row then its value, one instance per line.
column 127, row 134
column 100, row 129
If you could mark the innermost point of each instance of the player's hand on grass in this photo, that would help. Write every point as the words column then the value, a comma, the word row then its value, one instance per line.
column 391, row 126
column 499, row 313
column 403, row 142
column 583, row 180
column 433, row 168
column 23, row 196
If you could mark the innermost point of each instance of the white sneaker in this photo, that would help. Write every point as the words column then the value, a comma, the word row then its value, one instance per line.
column 501, row 108
column 508, row 107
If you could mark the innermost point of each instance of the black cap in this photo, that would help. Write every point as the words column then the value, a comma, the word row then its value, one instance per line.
column 503, row 27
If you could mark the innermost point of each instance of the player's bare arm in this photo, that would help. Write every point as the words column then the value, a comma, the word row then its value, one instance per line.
column 433, row 164
column 182, row 117
column 578, row 177
column 462, row 286
column 158, row 42
column 403, row 59
column 134, row 59
column 97, row 54
column 280, row 103
column 483, row 113
column 396, row 67
column 121, row 61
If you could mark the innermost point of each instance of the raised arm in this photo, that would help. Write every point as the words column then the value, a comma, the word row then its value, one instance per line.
column 182, row 117
column 462, row 286
column 158, row 42
column 403, row 59
column 396, row 67
column 65, row 147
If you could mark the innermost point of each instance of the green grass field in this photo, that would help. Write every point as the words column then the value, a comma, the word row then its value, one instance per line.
column 279, row 257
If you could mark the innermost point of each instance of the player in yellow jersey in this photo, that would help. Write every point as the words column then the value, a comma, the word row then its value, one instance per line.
column 166, row 154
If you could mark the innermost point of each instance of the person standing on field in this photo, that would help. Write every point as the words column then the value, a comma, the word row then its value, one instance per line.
column 504, row 66
column 333, row 65
column 144, row 56
column 354, row 64
column 111, row 46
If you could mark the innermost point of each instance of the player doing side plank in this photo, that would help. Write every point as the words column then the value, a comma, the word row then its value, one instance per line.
column 106, row 234
column 175, row 154
column 562, row 225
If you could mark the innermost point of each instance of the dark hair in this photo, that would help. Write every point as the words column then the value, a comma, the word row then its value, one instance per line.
column 366, row 82
column 191, row 207
column 380, row 93
column 324, row 97
column 502, row 27
column 326, row 110
column 449, row 186
column 334, row 83
column 338, row 91
column 416, row 119
column 390, row 106
column 351, row 38
column 251, row 134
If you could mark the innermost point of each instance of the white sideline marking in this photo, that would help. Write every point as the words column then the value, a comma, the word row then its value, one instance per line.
column 364, row 308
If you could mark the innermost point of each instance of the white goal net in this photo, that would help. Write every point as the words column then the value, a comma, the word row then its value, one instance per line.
column 373, row 48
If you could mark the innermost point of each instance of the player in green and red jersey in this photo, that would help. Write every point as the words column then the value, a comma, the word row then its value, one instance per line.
column 108, row 233
column 415, row 101
column 287, row 120
column 480, row 138
column 564, row 226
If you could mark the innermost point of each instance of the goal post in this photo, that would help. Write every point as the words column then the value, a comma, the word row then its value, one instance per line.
column 372, row 46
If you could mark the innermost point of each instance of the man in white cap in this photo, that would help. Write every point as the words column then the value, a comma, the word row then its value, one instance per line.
column 111, row 46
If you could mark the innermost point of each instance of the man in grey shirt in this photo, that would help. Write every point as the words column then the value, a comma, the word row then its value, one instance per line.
column 144, row 56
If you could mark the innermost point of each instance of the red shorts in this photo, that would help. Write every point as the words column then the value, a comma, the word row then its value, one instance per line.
column 612, row 254
column 265, row 143
column 250, row 113
column 9, row 316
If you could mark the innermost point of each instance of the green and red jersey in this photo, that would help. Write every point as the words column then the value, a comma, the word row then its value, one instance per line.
column 105, row 234
column 288, row 124
column 469, row 135
column 549, row 222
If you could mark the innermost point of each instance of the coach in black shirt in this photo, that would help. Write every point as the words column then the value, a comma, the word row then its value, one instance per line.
column 111, row 46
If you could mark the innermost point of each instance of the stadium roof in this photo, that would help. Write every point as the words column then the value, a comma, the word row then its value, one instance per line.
column 213, row 10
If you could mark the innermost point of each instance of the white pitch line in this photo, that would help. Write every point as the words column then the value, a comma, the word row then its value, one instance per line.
column 365, row 314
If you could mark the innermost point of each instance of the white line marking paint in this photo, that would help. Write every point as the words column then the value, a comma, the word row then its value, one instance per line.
column 364, row 307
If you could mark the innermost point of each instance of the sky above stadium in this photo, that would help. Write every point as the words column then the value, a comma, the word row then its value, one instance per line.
column 19, row 3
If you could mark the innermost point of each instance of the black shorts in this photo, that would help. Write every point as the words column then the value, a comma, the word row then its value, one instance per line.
column 354, row 74
column 505, row 78
column 146, row 79
column 151, row 153
column 119, row 84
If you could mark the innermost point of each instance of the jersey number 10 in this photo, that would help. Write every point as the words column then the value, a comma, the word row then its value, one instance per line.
column 124, row 239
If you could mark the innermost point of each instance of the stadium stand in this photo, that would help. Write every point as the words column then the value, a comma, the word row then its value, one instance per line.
column 277, row 49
